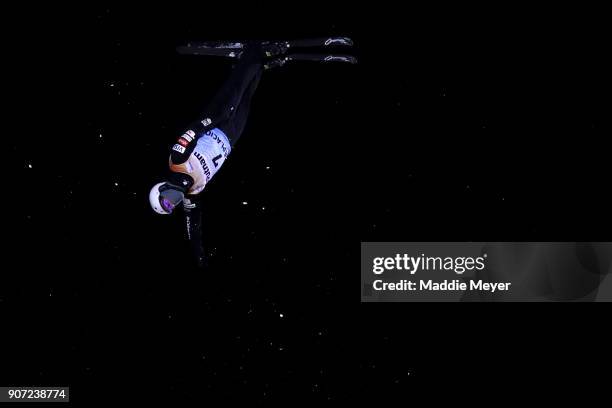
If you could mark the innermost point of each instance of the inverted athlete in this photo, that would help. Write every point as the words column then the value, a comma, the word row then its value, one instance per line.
column 202, row 149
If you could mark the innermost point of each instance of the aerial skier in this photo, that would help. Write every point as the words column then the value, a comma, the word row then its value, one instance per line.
column 202, row 149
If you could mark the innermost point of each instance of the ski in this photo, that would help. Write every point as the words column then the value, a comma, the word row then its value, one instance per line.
column 322, row 58
column 215, row 49
column 234, row 49
column 310, row 57
column 321, row 42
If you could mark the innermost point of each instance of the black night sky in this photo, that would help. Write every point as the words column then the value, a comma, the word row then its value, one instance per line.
column 472, row 126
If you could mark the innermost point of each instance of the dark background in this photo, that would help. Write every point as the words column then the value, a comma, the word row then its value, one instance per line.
column 458, row 124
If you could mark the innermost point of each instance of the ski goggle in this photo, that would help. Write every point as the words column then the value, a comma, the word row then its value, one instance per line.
column 167, row 204
column 170, row 198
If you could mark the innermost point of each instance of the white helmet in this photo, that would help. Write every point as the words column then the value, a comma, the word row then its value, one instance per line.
column 164, row 197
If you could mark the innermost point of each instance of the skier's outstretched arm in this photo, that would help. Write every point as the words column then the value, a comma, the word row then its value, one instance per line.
column 193, row 224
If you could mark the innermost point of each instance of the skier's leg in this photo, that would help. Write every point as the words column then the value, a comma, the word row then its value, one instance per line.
column 223, row 106
column 227, row 99
column 234, row 126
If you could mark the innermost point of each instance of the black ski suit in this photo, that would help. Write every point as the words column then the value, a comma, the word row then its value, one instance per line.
column 202, row 149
